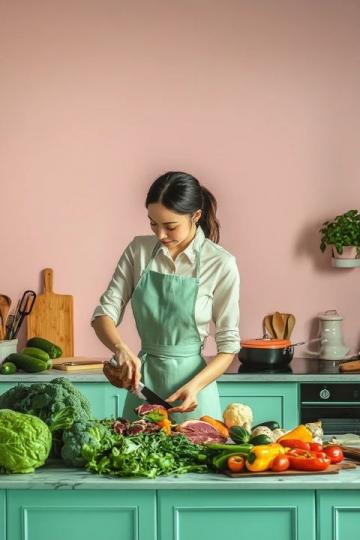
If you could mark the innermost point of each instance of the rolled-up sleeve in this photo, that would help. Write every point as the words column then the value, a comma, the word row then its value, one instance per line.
column 118, row 293
column 225, row 312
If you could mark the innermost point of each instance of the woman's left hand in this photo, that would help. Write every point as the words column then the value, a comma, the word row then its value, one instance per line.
column 188, row 395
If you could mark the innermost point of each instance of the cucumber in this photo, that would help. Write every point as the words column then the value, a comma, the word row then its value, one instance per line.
column 54, row 351
column 272, row 424
column 36, row 353
column 27, row 363
column 7, row 368
column 260, row 439
column 239, row 434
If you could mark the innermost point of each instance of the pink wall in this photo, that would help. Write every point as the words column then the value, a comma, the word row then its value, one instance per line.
column 259, row 100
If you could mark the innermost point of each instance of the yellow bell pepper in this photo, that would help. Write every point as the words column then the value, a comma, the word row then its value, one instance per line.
column 300, row 433
column 261, row 457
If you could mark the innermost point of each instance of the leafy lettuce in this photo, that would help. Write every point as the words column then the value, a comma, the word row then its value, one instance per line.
column 25, row 442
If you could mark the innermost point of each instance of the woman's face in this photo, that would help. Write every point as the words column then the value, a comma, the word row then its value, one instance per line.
column 172, row 229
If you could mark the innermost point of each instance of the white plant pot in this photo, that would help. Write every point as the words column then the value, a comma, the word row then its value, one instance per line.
column 349, row 252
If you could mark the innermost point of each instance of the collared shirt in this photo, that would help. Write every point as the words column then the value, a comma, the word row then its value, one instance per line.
column 218, row 295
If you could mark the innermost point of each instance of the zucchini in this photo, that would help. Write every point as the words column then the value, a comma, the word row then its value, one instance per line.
column 260, row 439
column 36, row 353
column 27, row 363
column 239, row 434
column 54, row 351
column 272, row 424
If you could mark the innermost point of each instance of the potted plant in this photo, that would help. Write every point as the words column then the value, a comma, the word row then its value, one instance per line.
column 343, row 235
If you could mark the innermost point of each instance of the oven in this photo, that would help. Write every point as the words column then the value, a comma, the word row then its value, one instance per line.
column 337, row 405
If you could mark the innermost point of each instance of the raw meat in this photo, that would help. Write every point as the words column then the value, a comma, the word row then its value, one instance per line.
column 146, row 408
column 199, row 432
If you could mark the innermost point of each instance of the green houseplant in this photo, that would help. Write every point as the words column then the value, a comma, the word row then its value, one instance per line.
column 341, row 232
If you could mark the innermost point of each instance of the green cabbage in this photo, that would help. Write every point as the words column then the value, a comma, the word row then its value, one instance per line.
column 25, row 442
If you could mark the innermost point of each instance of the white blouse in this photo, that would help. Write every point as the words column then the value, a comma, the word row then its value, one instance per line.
column 218, row 295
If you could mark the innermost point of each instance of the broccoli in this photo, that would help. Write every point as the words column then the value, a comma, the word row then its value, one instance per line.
column 58, row 403
column 46, row 400
column 83, row 439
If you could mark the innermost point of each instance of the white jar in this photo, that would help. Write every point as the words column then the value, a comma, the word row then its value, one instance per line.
column 8, row 346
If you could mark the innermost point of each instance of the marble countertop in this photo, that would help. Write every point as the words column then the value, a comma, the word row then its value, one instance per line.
column 56, row 477
column 302, row 370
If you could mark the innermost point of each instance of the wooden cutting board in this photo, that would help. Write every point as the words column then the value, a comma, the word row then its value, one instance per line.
column 332, row 469
column 52, row 316
column 77, row 363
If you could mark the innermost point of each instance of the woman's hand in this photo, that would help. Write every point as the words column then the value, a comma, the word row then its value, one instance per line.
column 127, row 373
column 188, row 395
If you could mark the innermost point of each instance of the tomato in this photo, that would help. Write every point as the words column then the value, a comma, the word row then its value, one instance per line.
column 280, row 463
column 334, row 452
column 316, row 447
column 236, row 463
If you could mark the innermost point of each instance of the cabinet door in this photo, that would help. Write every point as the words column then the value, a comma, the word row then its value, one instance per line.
column 268, row 400
column 338, row 514
column 81, row 515
column 2, row 514
column 4, row 387
column 222, row 514
column 106, row 400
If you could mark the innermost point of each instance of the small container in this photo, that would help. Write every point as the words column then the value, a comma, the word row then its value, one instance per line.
column 266, row 353
column 8, row 346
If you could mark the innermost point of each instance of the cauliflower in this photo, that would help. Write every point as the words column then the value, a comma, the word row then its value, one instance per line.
column 238, row 414
column 263, row 430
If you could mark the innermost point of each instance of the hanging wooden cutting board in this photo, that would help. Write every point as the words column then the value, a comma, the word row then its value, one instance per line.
column 52, row 316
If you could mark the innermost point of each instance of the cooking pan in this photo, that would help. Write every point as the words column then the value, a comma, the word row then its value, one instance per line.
column 266, row 353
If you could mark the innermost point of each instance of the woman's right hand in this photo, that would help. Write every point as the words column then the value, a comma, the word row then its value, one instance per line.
column 127, row 373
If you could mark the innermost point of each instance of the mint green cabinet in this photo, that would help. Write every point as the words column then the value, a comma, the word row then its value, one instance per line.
column 81, row 515
column 268, row 400
column 338, row 514
column 265, row 515
column 2, row 514
column 106, row 400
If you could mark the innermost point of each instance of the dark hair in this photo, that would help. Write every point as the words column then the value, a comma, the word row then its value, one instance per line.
column 182, row 193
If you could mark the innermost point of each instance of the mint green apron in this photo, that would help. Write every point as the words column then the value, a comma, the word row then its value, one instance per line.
column 164, row 312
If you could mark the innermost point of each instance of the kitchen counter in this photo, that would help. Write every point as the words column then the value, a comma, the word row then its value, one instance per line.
column 55, row 476
column 303, row 370
column 56, row 503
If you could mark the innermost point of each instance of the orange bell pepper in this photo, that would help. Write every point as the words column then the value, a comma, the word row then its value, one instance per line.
column 301, row 433
column 165, row 425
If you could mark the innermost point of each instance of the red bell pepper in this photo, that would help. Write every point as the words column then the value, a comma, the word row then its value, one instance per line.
column 303, row 460
column 295, row 443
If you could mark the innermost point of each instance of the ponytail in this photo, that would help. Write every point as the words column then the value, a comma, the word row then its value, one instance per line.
column 208, row 221
column 182, row 193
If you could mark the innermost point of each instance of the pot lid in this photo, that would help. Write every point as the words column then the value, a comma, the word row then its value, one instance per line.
column 330, row 315
column 265, row 343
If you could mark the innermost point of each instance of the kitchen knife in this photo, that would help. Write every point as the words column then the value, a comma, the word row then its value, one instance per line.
column 146, row 394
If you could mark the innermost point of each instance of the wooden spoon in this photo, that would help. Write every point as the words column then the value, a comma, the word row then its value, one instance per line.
column 290, row 326
column 267, row 326
column 5, row 303
column 278, row 325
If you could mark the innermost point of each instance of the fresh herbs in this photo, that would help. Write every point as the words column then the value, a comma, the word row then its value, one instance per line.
column 146, row 455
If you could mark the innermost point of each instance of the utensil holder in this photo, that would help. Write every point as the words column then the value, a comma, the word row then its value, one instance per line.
column 7, row 346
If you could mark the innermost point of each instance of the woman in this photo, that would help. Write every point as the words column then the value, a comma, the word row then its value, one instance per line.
column 178, row 281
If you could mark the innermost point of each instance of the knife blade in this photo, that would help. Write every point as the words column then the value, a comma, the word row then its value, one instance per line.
column 145, row 393
column 150, row 396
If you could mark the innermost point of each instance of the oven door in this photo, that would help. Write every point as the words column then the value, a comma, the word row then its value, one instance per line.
column 335, row 418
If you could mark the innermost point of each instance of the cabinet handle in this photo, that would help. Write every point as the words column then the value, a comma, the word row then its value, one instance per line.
column 117, row 405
